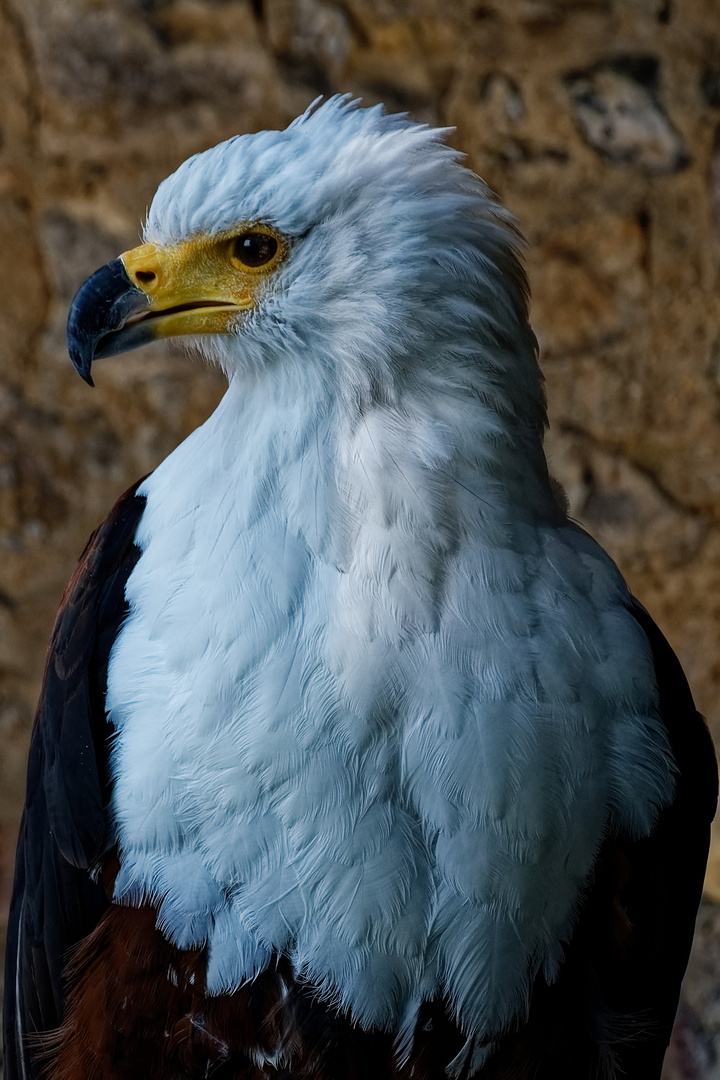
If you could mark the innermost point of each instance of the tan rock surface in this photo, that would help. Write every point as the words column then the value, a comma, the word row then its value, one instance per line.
column 596, row 121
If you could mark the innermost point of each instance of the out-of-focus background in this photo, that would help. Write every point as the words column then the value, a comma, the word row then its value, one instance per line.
column 598, row 124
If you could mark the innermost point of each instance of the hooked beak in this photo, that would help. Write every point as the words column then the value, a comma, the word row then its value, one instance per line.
column 98, row 317
column 153, row 292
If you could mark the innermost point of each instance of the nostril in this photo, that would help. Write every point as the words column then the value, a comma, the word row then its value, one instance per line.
column 145, row 277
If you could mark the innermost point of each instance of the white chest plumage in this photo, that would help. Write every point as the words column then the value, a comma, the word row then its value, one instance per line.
column 374, row 719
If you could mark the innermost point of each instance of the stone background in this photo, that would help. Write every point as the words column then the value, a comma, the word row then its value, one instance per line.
column 596, row 121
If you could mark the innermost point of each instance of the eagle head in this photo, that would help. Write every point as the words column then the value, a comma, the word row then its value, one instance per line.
column 351, row 251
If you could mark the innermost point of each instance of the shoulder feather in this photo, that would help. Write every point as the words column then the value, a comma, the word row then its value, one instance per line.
column 56, row 901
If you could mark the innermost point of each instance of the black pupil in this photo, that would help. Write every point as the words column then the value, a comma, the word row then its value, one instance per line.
column 255, row 249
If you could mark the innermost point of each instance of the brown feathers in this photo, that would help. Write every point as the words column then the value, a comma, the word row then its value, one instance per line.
column 137, row 1007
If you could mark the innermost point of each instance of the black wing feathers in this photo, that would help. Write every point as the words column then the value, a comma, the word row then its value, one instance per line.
column 55, row 901
column 667, row 869
column 71, row 714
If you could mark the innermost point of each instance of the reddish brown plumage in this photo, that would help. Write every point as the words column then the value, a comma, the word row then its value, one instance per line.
column 137, row 1007
column 122, row 999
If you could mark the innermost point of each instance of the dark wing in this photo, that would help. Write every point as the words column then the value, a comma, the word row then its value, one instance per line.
column 610, row 1013
column 56, row 902
column 666, row 871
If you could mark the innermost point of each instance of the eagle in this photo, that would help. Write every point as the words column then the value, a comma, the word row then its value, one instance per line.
column 355, row 756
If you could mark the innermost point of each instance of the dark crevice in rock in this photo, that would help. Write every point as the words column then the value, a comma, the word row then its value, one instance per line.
column 644, row 70
column 715, row 185
column 710, row 86
column 644, row 221
column 397, row 98
column 567, row 427
column 304, row 72
column 8, row 602
column 665, row 12
column 523, row 151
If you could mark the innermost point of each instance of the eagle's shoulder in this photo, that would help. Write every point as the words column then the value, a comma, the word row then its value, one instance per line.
column 63, row 830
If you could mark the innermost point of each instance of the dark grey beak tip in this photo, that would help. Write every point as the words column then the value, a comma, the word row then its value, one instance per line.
column 98, row 313
column 80, row 357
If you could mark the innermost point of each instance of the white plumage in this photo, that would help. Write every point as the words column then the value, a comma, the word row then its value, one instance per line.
column 377, row 701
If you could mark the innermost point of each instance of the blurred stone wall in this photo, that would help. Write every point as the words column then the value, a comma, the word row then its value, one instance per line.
column 596, row 121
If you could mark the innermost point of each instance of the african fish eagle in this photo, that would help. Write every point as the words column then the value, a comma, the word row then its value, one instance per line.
column 355, row 757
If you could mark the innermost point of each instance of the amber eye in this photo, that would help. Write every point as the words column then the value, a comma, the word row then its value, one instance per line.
column 254, row 248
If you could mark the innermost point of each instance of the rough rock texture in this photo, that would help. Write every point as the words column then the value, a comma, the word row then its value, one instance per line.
column 596, row 121
column 695, row 1050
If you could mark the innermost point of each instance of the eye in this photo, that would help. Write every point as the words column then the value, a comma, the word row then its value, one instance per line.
column 254, row 248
